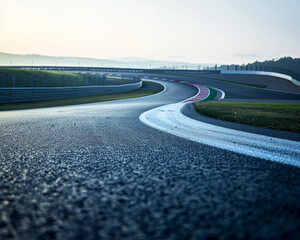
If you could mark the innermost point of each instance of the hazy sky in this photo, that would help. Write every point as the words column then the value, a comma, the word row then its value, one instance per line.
column 216, row 31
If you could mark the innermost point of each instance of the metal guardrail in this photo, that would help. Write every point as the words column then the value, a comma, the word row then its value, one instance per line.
column 28, row 94
column 217, row 69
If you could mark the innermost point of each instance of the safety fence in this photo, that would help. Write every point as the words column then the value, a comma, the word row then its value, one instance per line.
column 118, row 70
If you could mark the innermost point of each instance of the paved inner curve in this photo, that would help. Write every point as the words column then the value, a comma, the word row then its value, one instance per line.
column 94, row 171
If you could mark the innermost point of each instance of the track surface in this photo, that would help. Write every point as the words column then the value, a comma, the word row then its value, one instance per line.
column 95, row 172
column 235, row 92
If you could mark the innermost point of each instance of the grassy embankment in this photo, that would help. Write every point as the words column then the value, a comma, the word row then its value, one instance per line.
column 281, row 116
column 75, row 101
column 44, row 78
column 54, row 79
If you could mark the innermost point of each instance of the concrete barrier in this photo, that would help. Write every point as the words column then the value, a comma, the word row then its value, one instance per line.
column 12, row 95
column 273, row 74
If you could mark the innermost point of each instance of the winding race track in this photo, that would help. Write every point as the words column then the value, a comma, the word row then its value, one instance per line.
column 95, row 171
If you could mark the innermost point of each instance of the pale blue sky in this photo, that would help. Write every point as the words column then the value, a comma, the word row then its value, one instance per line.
column 216, row 31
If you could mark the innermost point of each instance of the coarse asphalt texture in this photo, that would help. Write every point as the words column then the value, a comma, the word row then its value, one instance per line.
column 95, row 172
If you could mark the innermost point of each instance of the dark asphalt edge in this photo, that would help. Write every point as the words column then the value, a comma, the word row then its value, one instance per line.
column 189, row 111
column 204, row 78
column 265, row 88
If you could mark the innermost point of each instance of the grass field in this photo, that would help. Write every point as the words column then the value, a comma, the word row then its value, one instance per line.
column 282, row 116
column 44, row 78
column 82, row 100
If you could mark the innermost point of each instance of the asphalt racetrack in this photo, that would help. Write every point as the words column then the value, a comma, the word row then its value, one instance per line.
column 95, row 171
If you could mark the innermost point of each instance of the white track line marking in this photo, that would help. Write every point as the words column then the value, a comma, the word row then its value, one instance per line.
column 222, row 93
column 168, row 118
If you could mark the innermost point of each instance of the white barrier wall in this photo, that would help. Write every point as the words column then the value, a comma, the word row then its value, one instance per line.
column 273, row 74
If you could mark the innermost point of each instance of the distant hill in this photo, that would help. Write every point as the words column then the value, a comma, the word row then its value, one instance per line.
column 7, row 59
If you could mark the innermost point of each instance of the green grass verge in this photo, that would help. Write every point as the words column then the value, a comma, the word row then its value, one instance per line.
column 282, row 116
column 75, row 101
column 213, row 93
column 218, row 79
column 44, row 78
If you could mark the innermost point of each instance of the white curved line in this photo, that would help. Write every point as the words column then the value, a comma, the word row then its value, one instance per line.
column 199, row 90
column 149, row 80
column 222, row 93
column 273, row 74
column 168, row 118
